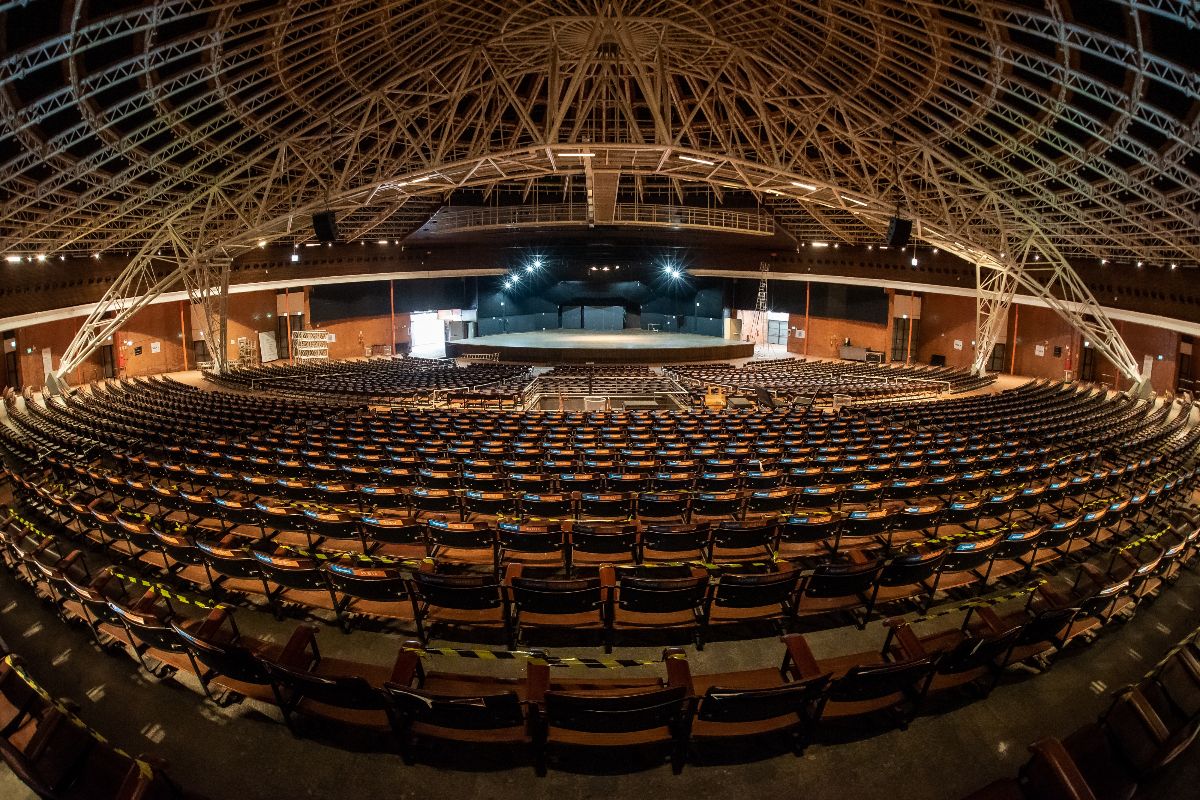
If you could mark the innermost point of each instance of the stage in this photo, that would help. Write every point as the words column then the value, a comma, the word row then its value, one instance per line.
column 602, row 347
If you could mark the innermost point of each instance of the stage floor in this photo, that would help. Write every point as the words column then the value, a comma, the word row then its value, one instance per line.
column 577, row 346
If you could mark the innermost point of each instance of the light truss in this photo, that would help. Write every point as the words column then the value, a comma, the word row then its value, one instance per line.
column 232, row 121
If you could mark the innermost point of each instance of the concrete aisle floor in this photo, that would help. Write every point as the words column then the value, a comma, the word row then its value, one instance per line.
column 237, row 754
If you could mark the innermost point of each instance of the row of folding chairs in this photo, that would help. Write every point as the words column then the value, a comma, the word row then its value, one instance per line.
column 49, row 748
column 1130, row 750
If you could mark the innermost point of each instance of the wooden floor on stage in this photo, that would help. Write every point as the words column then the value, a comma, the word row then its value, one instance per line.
column 577, row 347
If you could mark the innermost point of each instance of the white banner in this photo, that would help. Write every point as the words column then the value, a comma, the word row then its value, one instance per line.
column 267, row 349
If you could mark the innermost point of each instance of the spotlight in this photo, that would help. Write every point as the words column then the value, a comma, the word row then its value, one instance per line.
column 537, row 263
column 295, row 257
column 1174, row 266
column 1139, row 265
column 530, row 269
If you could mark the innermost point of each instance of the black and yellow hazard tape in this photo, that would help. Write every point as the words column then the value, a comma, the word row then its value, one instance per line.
column 144, row 768
column 980, row 602
column 163, row 590
column 538, row 656
column 350, row 555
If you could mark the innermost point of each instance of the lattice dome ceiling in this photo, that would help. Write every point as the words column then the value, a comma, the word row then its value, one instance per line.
column 1074, row 123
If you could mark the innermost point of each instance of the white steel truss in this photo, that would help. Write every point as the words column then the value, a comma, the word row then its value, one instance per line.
column 231, row 122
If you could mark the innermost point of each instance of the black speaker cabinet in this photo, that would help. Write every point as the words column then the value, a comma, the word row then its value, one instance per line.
column 899, row 231
column 325, row 226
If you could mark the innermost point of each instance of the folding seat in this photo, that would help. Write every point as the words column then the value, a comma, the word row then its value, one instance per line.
column 674, row 542
column 961, row 513
column 555, row 603
column 230, row 568
column 966, row 563
column 315, row 691
column 547, row 505
column 730, row 540
column 595, row 544
column 576, row 719
column 275, row 518
column 803, row 477
column 1017, row 551
column 297, row 580
column 740, row 598
column 372, row 592
column 756, row 704
column 863, row 493
column 659, row 505
column 641, row 602
column 150, row 636
column 336, row 526
column 497, row 504
column 531, row 482
column 770, row 502
column 384, row 497
column 823, row 496
column 839, row 587
column 581, row 482
column 629, row 482
column 295, row 489
column 481, row 719
column 605, row 506
column 866, row 527
column 472, row 543
column 334, row 492
column 896, row 689
column 1041, row 636
column 539, row 543
column 764, row 479
column 807, row 534
column 1057, row 539
column 716, row 505
column 484, row 481
column 475, row 601
column 710, row 481
column 964, row 658
column 399, row 536
column 397, row 476
column 907, row 576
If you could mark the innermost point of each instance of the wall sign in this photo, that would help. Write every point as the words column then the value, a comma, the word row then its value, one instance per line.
column 958, row 344
column 1039, row 350
column 156, row 347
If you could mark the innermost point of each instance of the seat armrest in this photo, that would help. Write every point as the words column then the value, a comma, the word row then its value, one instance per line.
column 909, row 644
column 537, row 681
column 679, row 672
column 302, row 639
column 1071, row 785
column 798, row 660
column 408, row 664
column 990, row 619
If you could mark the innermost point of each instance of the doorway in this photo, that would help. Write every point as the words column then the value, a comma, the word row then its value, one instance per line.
column 1087, row 364
column 428, row 335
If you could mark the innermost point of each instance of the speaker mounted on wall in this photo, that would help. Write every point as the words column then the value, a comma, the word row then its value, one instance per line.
column 898, row 232
column 325, row 226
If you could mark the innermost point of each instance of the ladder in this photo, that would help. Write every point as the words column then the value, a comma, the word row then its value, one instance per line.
column 756, row 331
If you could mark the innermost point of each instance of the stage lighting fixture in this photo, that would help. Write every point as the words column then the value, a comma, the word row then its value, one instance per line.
column 530, row 268
column 295, row 257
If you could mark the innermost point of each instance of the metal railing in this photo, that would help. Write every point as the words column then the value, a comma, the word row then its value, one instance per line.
column 610, row 386
column 751, row 222
column 639, row 214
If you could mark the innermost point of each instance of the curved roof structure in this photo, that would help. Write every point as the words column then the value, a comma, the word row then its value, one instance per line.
column 1068, row 124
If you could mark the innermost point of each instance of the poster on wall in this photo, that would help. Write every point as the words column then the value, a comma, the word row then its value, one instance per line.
column 1039, row 350
column 958, row 344
column 799, row 333
column 156, row 347
column 268, row 351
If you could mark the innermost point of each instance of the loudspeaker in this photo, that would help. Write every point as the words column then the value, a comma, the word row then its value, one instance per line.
column 325, row 226
column 899, row 230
